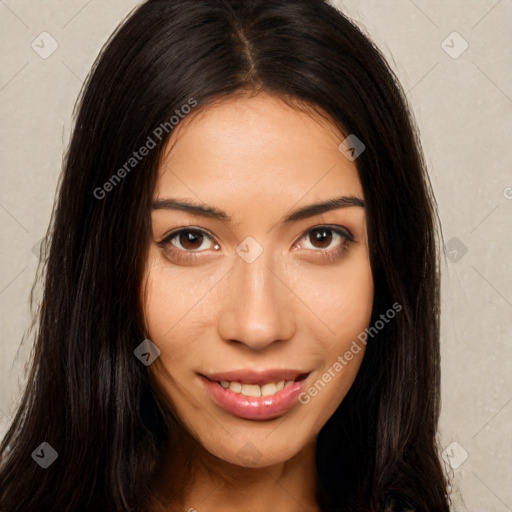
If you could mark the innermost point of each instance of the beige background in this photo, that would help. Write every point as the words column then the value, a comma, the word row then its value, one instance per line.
column 463, row 106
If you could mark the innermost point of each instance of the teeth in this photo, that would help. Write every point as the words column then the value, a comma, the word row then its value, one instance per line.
column 254, row 390
column 251, row 390
column 236, row 387
column 268, row 389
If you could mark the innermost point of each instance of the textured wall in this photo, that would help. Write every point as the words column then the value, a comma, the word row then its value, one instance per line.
column 454, row 59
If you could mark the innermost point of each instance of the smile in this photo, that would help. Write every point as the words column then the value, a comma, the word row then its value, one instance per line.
column 255, row 390
column 254, row 395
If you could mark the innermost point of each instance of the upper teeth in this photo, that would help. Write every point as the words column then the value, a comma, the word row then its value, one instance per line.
column 255, row 389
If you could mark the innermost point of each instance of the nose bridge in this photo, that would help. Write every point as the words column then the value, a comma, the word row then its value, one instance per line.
column 255, row 308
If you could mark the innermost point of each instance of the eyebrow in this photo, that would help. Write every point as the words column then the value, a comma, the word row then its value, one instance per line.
column 299, row 214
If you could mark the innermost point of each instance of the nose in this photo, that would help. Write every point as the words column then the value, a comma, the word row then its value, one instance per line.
column 256, row 308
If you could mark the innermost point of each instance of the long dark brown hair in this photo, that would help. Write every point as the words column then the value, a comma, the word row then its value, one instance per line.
column 88, row 396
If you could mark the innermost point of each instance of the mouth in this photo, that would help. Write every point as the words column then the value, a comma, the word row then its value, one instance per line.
column 256, row 395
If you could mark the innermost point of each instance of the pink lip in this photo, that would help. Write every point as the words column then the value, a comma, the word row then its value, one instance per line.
column 255, row 408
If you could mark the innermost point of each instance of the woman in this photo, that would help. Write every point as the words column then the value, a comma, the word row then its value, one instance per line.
column 241, row 301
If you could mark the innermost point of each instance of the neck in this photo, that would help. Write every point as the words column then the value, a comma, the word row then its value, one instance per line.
column 192, row 479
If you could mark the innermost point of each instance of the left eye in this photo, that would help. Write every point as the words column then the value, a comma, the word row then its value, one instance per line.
column 322, row 237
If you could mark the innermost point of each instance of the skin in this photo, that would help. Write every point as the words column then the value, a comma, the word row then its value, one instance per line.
column 257, row 158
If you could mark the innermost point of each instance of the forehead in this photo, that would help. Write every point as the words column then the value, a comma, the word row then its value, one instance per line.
column 259, row 149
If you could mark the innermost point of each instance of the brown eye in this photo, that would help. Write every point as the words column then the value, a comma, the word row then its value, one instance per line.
column 190, row 240
column 324, row 237
column 326, row 242
column 320, row 238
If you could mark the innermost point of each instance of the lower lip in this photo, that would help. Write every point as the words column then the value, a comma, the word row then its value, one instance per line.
column 255, row 408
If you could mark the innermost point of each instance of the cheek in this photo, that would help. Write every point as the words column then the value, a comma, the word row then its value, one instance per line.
column 340, row 298
column 352, row 306
column 173, row 300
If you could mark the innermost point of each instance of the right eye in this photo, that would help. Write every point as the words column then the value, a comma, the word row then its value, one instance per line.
column 188, row 242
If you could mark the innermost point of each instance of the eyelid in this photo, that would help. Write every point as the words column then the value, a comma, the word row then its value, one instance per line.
column 166, row 241
column 340, row 230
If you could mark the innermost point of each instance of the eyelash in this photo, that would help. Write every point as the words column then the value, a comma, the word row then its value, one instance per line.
column 329, row 255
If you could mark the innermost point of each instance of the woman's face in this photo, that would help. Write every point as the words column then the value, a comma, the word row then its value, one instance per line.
column 252, row 289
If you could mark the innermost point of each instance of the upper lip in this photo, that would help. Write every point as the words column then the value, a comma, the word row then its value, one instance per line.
column 252, row 376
